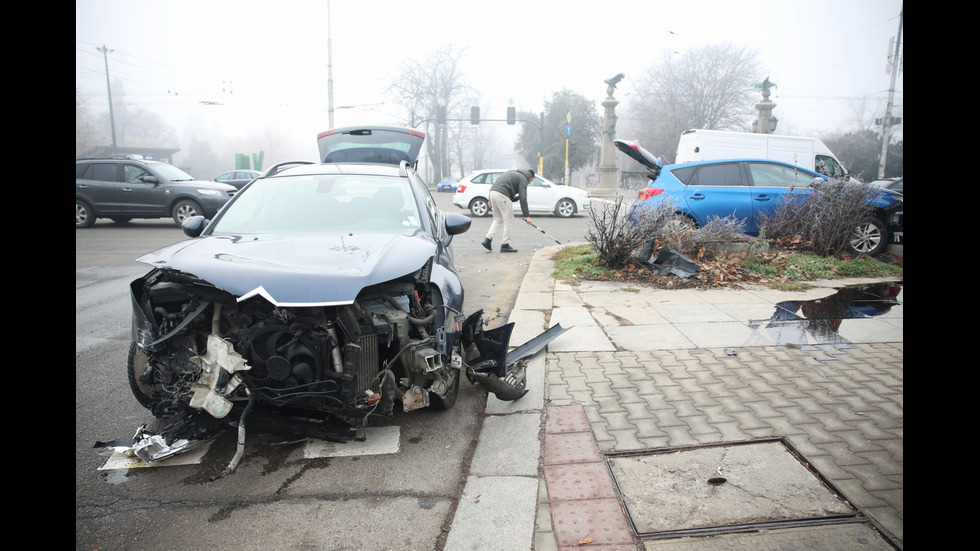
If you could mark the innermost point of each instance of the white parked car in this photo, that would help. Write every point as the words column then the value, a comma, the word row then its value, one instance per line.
column 473, row 193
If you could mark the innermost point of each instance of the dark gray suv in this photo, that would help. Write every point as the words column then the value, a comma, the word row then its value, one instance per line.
column 123, row 189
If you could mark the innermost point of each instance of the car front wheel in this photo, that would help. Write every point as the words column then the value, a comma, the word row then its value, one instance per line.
column 84, row 216
column 679, row 223
column 565, row 208
column 870, row 238
column 135, row 366
column 185, row 209
column 480, row 207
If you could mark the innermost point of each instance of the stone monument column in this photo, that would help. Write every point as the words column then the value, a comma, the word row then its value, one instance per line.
column 608, row 173
column 766, row 123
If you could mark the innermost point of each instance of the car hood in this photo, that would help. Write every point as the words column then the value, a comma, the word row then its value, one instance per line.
column 305, row 271
column 210, row 184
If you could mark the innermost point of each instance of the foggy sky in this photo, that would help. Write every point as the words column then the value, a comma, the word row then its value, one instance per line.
column 226, row 68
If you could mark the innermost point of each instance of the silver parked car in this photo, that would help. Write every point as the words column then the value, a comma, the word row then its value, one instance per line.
column 237, row 178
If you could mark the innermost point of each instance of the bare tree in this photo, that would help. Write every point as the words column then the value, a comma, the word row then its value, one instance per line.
column 86, row 133
column 706, row 87
column 135, row 126
column 142, row 127
column 429, row 86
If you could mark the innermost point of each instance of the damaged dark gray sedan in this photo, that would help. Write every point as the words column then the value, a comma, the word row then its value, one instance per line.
column 314, row 300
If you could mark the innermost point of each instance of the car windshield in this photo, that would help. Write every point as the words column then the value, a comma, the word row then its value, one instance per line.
column 172, row 173
column 322, row 204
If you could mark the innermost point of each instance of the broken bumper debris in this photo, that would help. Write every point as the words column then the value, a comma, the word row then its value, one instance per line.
column 482, row 353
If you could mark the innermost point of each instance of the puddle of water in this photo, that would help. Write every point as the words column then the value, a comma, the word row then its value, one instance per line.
column 819, row 320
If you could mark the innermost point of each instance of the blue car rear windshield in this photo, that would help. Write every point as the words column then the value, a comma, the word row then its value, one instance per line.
column 683, row 175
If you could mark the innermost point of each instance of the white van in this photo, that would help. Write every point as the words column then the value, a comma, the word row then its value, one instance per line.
column 804, row 152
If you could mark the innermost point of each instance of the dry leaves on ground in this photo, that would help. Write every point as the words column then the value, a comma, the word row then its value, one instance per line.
column 717, row 270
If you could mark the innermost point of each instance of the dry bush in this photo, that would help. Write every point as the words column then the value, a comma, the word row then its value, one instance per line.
column 822, row 219
column 618, row 231
column 684, row 237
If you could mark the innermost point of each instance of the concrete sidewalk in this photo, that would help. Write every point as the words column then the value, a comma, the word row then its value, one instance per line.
column 646, row 371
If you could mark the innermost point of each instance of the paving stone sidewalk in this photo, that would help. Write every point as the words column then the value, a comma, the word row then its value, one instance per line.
column 838, row 401
column 840, row 407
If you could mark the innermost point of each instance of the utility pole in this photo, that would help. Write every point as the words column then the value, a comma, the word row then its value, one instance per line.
column 887, row 121
column 112, row 120
column 568, row 137
column 541, row 149
column 329, row 71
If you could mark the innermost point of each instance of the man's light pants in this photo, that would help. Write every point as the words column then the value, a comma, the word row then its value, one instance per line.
column 503, row 215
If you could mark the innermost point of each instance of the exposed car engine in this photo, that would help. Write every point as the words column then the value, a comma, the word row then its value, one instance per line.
column 308, row 370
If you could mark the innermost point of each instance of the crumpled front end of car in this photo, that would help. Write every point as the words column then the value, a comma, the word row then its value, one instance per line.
column 199, row 353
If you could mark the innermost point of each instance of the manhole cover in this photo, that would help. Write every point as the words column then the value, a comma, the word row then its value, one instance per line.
column 719, row 487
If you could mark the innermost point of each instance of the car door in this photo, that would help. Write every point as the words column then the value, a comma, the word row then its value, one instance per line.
column 540, row 196
column 143, row 197
column 719, row 190
column 487, row 179
column 100, row 184
column 773, row 184
column 246, row 177
column 230, row 178
column 241, row 178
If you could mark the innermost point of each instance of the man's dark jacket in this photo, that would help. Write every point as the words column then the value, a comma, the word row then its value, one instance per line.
column 513, row 184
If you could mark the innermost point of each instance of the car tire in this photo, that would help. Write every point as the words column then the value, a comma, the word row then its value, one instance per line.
column 680, row 223
column 84, row 215
column 136, row 362
column 185, row 209
column 868, row 238
column 565, row 208
column 480, row 207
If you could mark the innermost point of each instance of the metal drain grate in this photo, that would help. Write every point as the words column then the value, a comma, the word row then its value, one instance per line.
column 726, row 488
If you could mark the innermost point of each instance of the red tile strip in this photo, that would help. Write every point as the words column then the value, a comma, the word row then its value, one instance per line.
column 585, row 511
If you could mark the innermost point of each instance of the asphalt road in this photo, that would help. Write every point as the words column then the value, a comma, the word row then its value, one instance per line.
column 275, row 498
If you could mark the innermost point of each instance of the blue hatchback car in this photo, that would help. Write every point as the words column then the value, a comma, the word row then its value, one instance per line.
column 446, row 185
column 748, row 189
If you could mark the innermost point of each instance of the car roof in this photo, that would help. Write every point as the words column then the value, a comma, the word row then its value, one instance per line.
column 485, row 170
column 746, row 160
column 340, row 168
column 119, row 160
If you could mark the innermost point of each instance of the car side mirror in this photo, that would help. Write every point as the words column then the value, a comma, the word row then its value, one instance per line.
column 193, row 226
column 457, row 223
column 150, row 179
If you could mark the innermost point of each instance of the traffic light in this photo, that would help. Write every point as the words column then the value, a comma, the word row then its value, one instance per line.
column 475, row 115
column 511, row 115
